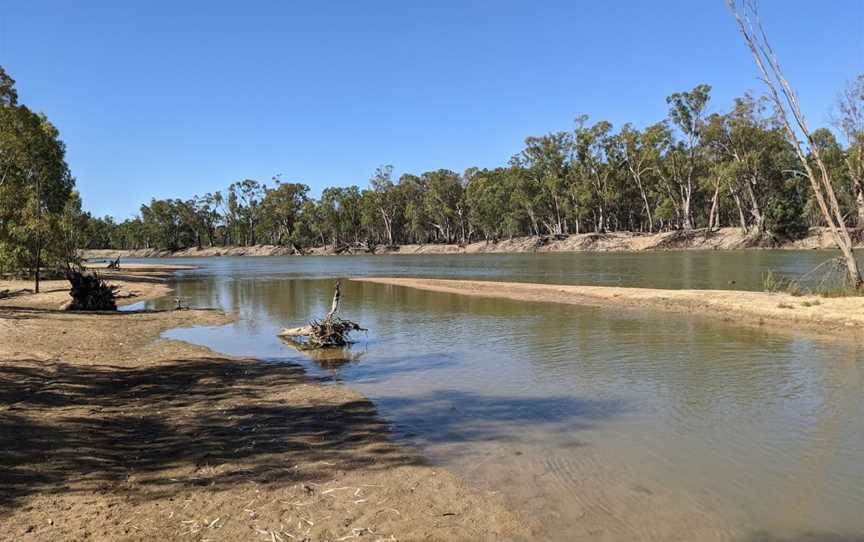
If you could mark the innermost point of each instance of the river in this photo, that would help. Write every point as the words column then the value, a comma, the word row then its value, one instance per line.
column 612, row 424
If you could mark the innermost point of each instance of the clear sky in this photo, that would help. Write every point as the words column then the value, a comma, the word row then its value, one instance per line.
column 172, row 99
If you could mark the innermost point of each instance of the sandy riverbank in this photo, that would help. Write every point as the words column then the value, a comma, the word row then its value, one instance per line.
column 722, row 239
column 832, row 317
column 110, row 433
column 135, row 282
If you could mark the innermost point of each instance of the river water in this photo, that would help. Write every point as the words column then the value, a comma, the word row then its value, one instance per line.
column 606, row 424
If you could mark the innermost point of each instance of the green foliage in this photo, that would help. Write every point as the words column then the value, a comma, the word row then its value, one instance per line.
column 35, row 186
column 784, row 218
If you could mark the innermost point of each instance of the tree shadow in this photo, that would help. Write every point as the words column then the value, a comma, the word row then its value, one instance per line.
column 154, row 431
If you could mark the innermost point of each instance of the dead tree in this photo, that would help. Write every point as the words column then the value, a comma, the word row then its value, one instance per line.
column 331, row 331
column 90, row 293
column 750, row 26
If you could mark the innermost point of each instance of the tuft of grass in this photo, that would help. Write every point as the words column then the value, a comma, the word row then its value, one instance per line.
column 813, row 303
column 784, row 306
column 774, row 283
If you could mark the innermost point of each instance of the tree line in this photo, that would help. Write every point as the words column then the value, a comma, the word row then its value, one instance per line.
column 693, row 169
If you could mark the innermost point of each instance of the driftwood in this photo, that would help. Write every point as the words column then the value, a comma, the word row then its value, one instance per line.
column 331, row 331
column 90, row 292
column 114, row 264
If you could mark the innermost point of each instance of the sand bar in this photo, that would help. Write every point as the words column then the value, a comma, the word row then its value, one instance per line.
column 833, row 316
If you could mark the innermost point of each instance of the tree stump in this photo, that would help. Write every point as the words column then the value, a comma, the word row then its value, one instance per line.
column 90, row 293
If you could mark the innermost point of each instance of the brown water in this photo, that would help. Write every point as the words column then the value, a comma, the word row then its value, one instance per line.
column 601, row 424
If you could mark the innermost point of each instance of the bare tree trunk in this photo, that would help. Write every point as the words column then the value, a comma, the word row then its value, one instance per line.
column 758, row 218
column 685, row 211
column 714, row 204
column 38, row 231
column 822, row 185
column 737, row 200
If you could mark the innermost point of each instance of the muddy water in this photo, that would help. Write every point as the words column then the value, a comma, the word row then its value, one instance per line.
column 598, row 423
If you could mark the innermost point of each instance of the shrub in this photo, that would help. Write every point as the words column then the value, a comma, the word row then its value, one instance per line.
column 785, row 219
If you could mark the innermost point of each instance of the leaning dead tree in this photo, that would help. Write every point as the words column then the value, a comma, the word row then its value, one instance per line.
column 329, row 332
column 90, row 293
column 750, row 26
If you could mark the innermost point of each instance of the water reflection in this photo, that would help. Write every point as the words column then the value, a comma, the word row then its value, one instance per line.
column 655, row 422
column 330, row 359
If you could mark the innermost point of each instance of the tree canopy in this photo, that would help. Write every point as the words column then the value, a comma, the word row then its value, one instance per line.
column 35, row 187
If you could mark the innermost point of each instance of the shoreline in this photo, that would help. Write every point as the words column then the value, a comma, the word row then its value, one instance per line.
column 722, row 239
column 834, row 317
column 110, row 432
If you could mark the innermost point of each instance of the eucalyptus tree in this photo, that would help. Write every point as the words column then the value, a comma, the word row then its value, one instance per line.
column 597, row 158
column 686, row 157
column 755, row 154
column 442, row 200
column 280, row 210
column 412, row 193
column 163, row 224
column 526, row 196
column 488, row 197
column 245, row 198
column 308, row 230
column 191, row 217
column 35, row 184
column 640, row 152
column 545, row 160
column 381, row 204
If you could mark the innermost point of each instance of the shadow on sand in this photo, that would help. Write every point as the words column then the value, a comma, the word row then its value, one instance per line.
column 153, row 431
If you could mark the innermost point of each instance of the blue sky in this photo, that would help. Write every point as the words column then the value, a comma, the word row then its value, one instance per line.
column 172, row 99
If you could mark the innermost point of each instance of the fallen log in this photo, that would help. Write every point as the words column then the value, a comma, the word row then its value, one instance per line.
column 329, row 332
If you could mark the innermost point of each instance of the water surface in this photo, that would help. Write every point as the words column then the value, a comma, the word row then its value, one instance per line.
column 736, row 269
column 614, row 425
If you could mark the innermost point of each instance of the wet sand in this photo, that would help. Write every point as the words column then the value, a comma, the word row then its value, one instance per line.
column 110, row 433
column 836, row 317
